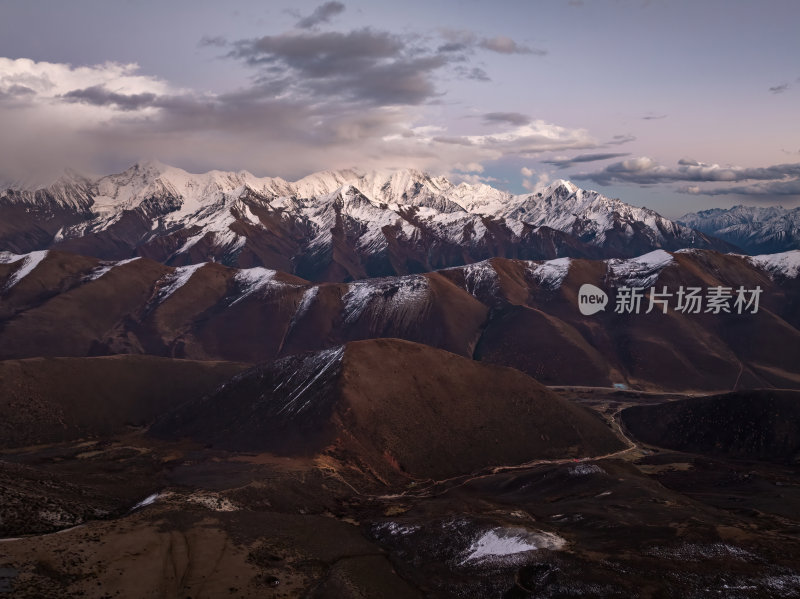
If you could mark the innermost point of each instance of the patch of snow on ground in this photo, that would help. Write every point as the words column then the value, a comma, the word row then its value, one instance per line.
column 515, row 226
column 788, row 585
column 309, row 295
column 10, row 258
column 190, row 242
column 105, row 267
column 500, row 544
column 397, row 529
column 252, row 280
column 394, row 300
column 480, row 276
column 585, row 469
column 178, row 279
column 29, row 262
column 550, row 274
column 478, row 232
column 303, row 377
column 786, row 264
column 641, row 271
column 149, row 500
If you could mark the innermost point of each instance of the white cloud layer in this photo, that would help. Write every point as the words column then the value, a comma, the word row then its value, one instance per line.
column 97, row 118
column 778, row 179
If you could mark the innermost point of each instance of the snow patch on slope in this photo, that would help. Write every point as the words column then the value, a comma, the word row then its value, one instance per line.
column 480, row 277
column 252, row 280
column 785, row 264
column 105, row 267
column 29, row 262
column 393, row 300
column 303, row 376
column 10, row 258
column 550, row 274
column 149, row 500
column 502, row 545
column 178, row 279
column 641, row 271
column 396, row 529
column 309, row 295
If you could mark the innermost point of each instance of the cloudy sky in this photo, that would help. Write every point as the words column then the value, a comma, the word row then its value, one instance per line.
column 674, row 104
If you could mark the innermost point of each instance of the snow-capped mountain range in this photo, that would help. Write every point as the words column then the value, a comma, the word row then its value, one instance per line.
column 332, row 225
column 753, row 228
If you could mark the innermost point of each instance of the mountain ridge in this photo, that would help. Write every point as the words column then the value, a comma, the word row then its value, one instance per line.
column 756, row 229
column 332, row 225
column 517, row 313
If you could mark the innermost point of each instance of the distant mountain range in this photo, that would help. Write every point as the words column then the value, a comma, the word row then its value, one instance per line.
column 755, row 229
column 330, row 226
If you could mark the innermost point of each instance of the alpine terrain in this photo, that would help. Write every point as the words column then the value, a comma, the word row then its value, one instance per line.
column 385, row 384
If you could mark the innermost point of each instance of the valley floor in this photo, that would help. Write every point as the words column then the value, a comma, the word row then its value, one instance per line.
column 640, row 522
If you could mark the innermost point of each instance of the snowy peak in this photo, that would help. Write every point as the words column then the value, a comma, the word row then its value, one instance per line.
column 70, row 191
column 404, row 187
column 323, row 183
column 560, row 188
column 755, row 229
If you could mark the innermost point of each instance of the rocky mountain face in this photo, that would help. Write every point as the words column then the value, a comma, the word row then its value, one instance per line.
column 515, row 313
column 755, row 229
column 330, row 226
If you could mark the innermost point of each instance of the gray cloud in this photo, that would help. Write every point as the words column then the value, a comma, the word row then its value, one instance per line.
column 512, row 118
column 474, row 73
column 506, row 45
column 363, row 65
column 453, row 47
column 217, row 41
column 766, row 189
column 366, row 66
column 15, row 93
column 457, row 141
column 779, row 89
column 19, row 90
column 98, row 95
column 320, row 54
column 645, row 171
column 653, row 117
column 619, row 140
column 583, row 158
column 462, row 40
column 322, row 14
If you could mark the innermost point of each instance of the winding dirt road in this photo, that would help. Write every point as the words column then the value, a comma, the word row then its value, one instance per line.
column 448, row 484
